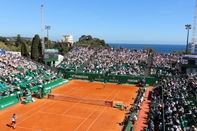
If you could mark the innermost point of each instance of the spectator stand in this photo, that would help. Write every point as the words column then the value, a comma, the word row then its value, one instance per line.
column 174, row 104
column 19, row 74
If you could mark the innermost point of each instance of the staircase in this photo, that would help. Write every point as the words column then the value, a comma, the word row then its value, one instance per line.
column 149, row 65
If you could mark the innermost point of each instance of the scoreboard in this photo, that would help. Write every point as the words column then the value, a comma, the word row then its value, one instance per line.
column 192, row 62
column 50, row 55
column 191, row 59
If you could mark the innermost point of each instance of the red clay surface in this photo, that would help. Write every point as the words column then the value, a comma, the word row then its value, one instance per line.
column 55, row 115
column 143, row 113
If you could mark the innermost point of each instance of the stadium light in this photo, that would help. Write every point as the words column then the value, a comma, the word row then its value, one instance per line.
column 188, row 26
column 48, row 28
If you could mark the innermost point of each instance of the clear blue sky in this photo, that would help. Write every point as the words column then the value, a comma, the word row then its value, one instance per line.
column 115, row 21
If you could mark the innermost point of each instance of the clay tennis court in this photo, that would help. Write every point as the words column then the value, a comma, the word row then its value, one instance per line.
column 57, row 115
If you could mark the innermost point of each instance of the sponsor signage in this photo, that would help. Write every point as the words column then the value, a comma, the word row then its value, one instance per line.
column 113, row 80
column 79, row 76
column 7, row 104
column 99, row 79
column 132, row 80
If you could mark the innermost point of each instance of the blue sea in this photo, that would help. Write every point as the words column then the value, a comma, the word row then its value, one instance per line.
column 164, row 48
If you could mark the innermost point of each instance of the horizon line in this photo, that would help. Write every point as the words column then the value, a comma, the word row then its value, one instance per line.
column 144, row 43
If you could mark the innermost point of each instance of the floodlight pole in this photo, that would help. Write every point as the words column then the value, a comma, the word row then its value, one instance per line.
column 188, row 26
column 42, row 28
column 48, row 28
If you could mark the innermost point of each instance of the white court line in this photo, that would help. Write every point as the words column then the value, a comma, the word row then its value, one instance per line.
column 73, row 105
column 116, row 95
column 96, row 118
column 74, row 117
column 109, row 95
column 49, row 113
column 37, row 108
column 35, row 113
column 87, row 117
column 61, row 115
column 27, row 128
column 91, row 113
column 100, row 113
column 33, row 109
column 74, row 91
column 70, row 90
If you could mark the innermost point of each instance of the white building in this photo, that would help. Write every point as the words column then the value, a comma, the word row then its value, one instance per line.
column 67, row 38
column 190, row 48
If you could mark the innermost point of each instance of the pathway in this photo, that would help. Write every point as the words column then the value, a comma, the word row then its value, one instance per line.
column 143, row 113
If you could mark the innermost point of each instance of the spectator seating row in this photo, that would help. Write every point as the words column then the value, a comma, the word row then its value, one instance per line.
column 17, row 74
column 173, row 105
column 100, row 61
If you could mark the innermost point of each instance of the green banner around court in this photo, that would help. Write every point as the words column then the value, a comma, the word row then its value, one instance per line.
column 110, row 78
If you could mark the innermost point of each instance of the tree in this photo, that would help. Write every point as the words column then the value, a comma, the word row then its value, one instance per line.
column 6, row 41
column 102, row 42
column 3, row 46
column 34, row 48
column 89, row 37
column 19, row 40
column 181, row 52
column 150, row 50
column 62, row 47
column 24, row 50
column 89, row 41
column 82, row 38
column 45, row 39
column 40, row 50
column 3, row 39
column 28, row 42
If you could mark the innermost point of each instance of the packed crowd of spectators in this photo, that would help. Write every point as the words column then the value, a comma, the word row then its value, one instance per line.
column 165, row 60
column 120, row 61
column 179, row 110
column 117, row 62
column 17, row 71
column 166, row 64
column 74, row 59
column 113, row 61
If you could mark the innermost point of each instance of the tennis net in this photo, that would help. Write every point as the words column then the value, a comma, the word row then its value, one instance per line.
column 80, row 100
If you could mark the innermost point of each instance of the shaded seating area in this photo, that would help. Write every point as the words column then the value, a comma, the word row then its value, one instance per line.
column 173, row 105
column 18, row 74
column 32, row 81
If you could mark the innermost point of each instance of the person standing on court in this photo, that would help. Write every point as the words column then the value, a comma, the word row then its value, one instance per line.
column 104, row 84
column 13, row 124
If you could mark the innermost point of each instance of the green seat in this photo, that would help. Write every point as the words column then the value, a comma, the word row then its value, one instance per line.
column 28, row 99
column 118, row 106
